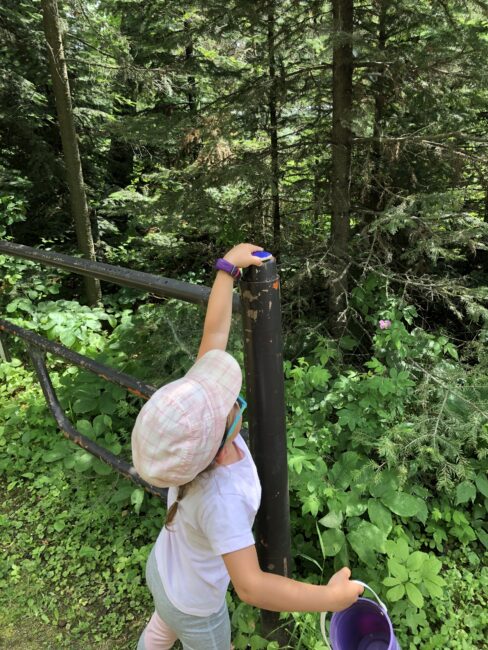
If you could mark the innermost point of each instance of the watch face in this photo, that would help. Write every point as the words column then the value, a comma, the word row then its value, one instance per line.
column 263, row 255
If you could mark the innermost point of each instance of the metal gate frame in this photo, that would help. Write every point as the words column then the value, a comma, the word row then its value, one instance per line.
column 260, row 306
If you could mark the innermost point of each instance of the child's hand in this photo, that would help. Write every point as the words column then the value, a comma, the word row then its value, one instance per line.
column 343, row 591
column 242, row 257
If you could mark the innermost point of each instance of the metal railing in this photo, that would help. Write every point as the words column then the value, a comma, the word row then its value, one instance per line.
column 259, row 304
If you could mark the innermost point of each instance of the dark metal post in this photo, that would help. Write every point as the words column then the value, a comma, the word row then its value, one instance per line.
column 261, row 313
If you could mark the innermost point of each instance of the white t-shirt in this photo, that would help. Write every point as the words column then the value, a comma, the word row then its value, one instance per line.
column 214, row 517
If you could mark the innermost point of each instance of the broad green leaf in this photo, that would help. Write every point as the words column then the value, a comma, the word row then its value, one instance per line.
column 59, row 525
column 483, row 537
column 117, row 392
column 122, row 493
column 397, row 570
column 101, row 468
column 85, row 427
column 431, row 567
column 398, row 550
column 354, row 505
column 69, row 462
column 52, row 456
column 107, row 404
column 379, row 515
column 414, row 595
column 83, row 461
column 348, row 342
column 482, row 484
column 332, row 520
column 341, row 472
column 67, row 338
column 85, row 405
column 422, row 512
column 342, row 558
column 389, row 581
column 403, row 504
column 387, row 483
column 436, row 579
column 416, row 560
column 349, row 417
column 99, row 425
column 395, row 593
column 465, row 491
column 415, row 577
column 333, row 540
column 87, row 551
column 367, row 539
column 311, row 504
column 258, row 643
column 136, row 498
column 114, row 447
column 434, row 590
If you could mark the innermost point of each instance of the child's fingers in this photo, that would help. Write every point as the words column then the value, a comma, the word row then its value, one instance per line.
column 346, row 572
column 360, row 588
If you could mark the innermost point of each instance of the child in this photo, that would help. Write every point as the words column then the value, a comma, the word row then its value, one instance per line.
column 186, row 438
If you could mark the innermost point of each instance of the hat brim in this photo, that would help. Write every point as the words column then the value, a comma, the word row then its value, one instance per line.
column 221, row 377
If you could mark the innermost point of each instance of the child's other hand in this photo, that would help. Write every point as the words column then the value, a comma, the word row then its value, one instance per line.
column 242, row 255
column 344, row 592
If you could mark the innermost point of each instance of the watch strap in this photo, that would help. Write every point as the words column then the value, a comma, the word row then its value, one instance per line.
column 228, row 267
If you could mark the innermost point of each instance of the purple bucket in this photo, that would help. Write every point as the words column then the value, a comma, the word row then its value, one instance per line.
column 363, row 626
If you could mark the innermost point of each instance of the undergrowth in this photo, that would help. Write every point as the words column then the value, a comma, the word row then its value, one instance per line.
column 387, row 470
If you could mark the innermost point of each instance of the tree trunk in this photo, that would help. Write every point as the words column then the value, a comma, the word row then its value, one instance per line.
column 375, row 201
column 189, row 59
column 195, row 146
column 342, row 68
column 120, row 159
column 120, row 163
column 74, row 173
column 273, row 132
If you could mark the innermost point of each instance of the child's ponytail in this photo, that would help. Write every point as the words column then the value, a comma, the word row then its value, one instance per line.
column 182, row 490
column 170, row 515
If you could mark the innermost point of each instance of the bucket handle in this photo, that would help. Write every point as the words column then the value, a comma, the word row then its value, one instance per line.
column 323, row 615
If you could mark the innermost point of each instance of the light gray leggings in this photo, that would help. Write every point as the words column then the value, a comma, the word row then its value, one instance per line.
column 195, row 632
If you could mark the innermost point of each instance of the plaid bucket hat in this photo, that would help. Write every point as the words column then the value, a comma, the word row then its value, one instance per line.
column 179, row 430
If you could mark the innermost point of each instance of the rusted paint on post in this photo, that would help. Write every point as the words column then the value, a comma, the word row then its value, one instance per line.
column 261, row 312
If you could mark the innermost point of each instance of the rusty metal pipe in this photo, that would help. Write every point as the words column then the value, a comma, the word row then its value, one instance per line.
column 159, row 286
column 263, row 351
column 69, row 431
column 135, row 386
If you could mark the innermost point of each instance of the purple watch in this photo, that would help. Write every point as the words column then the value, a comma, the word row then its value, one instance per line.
column 224, row 265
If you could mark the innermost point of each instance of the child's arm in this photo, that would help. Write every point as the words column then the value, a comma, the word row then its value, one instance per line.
column 279, row 594
column 219, row 310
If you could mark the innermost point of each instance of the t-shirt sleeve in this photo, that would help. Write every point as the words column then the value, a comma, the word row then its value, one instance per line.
column 226, row 521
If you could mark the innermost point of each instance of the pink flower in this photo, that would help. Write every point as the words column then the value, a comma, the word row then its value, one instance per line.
column 384, row 324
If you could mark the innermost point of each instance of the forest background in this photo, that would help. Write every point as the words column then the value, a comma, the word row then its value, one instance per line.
column 349, row 138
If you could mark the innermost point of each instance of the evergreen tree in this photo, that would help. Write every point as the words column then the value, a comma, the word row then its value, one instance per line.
column 74, row 173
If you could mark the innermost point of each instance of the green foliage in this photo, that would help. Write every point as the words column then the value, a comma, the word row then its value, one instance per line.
column 351, row 503
column 364, row 491
column 387, row 427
